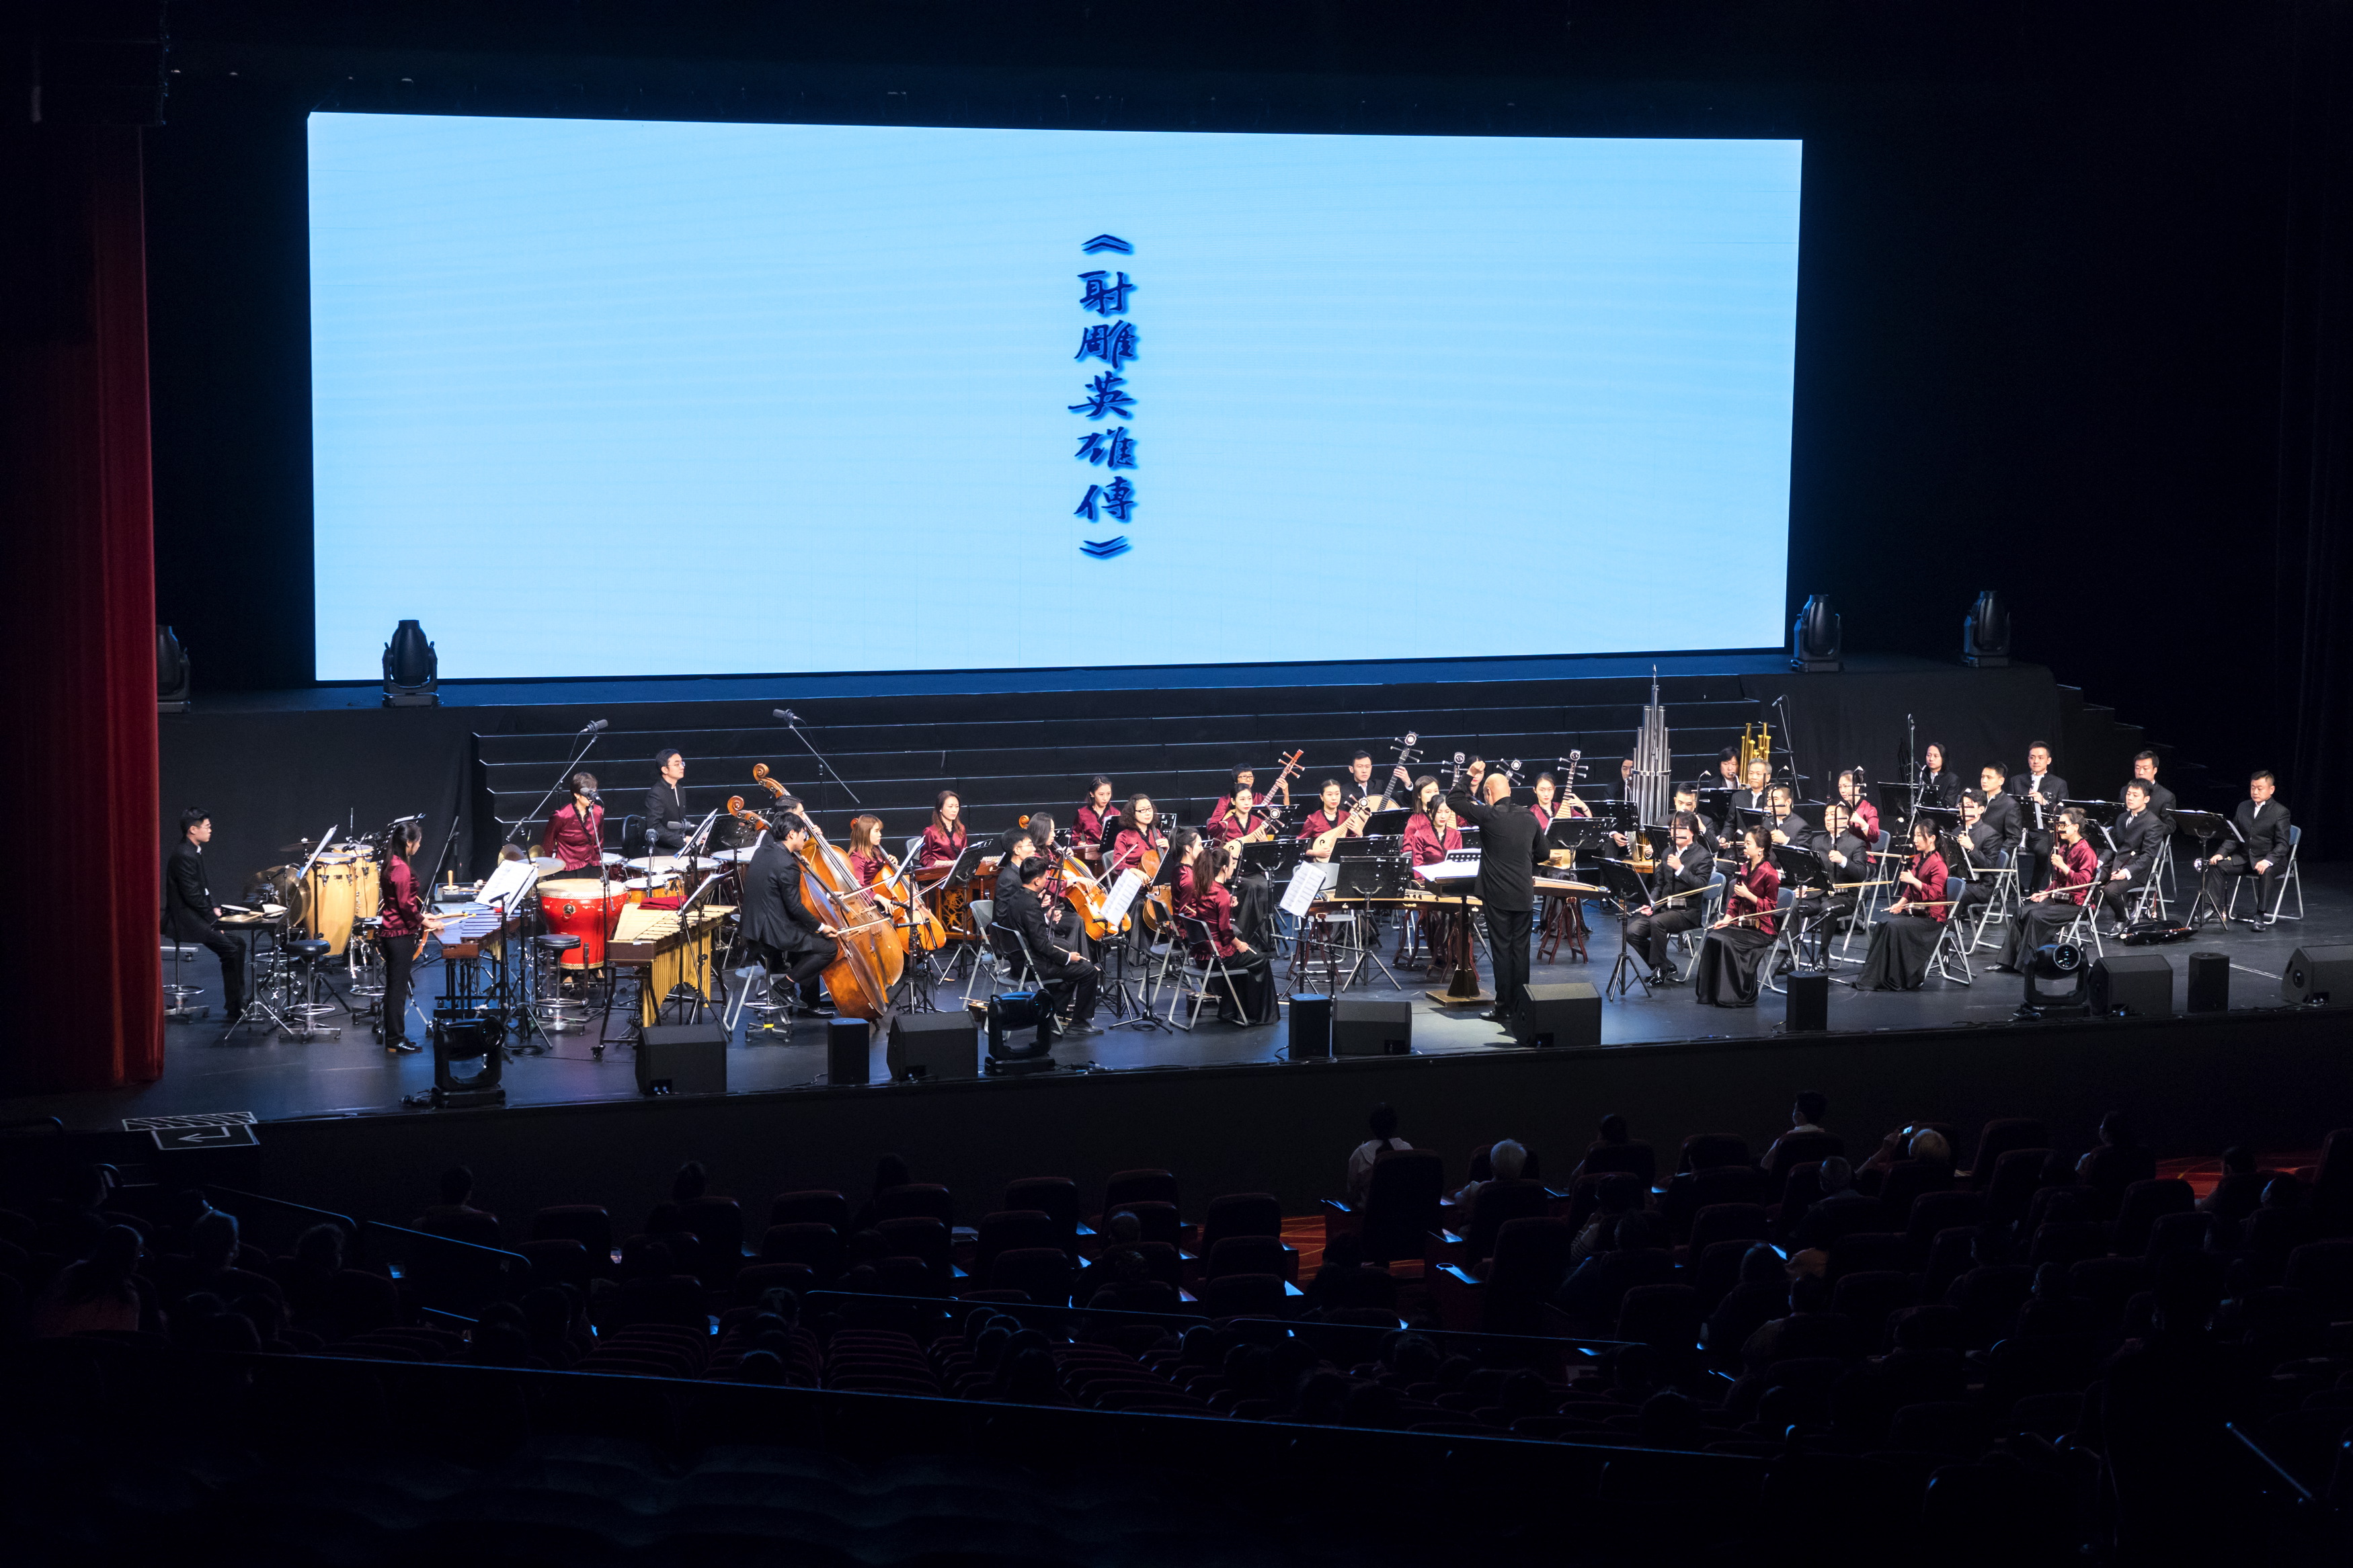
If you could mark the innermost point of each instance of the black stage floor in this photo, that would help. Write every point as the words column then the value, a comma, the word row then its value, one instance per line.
column 277, row 1078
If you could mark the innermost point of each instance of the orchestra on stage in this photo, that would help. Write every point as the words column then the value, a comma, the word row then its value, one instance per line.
column 1722, row 884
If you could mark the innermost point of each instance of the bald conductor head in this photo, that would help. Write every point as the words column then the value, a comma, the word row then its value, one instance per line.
column 1494, row 789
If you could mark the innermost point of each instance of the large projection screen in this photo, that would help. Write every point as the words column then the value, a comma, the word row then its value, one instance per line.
column 627, row 398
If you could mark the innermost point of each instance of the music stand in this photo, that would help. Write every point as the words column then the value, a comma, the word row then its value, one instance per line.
column 1627, row 893
column 2205, row 826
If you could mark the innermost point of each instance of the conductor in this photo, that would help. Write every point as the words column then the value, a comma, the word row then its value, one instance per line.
column 1511, row 845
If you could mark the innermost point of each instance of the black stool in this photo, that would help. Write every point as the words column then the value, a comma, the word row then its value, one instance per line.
column 557, row 1013
column 303, row 1014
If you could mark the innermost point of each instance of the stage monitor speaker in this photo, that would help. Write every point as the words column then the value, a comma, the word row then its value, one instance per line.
column 2136, row 984
column 682, row 1058
column 1311, row 1026
column 846, row 1050
column 933, row 1045
column 1567, row 1015
column 1808, row 1006
column 1368, row 1026
column 2319, row 975
column 2210, row 982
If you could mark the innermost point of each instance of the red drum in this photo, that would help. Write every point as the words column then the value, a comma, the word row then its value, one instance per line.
column 575, row 907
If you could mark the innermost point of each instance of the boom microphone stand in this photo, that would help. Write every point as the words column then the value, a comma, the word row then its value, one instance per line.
column 562, row 779
column 825, row 776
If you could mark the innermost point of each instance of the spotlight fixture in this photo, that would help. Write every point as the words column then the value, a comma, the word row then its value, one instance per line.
column 173, row 676
column 1814, row 638
column 2055, row 962
column 1985, row 634
column 412, row 671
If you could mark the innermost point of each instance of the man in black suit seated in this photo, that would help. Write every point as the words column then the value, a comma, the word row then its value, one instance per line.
column 2000, row 808
column 189, row 912
column 2137, row 835
column 784, row 936
column 2260, row 851
column 2037, row 784
column 1511, row 848
column 2160, row 799
column 665, row 806
column 1068, row 980
column 1592, row 1294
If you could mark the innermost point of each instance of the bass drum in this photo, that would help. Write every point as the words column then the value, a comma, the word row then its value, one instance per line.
column 578, row 907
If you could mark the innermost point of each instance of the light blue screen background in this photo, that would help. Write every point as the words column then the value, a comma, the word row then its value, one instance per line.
column 640, row 398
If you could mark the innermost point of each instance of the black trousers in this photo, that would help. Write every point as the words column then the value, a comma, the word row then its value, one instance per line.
column 400, row 957
column 801, row 970
column 2219, row 877
column 2034, row 863
column 1648, row 933
column 231, row 953
column 1071, row 985
column 1507, row 949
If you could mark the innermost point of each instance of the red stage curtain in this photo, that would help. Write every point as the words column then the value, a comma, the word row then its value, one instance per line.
column 80, row 976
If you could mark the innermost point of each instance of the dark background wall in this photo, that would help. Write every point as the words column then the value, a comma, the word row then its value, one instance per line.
column 2056, row 302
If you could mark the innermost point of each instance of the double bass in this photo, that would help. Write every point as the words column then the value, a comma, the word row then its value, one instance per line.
column 869, row 949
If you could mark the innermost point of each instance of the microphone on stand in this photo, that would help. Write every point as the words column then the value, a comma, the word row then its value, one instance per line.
column 594, row 727
column 787, row 715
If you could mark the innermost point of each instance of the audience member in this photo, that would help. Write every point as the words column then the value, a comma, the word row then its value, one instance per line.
column 1805, row 1117
column 1592, row 1292
column 1840, row 1212
column 2240, row 1191
column 1384, row 1126
column 1618, row 1194
column 2120, row 1161
column 1505, row 1160
column 101, row 1293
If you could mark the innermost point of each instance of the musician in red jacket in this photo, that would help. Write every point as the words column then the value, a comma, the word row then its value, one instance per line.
column 2074, row 868
column 1139, row 830
column 1729, row 971
column 1096, row 824
column 1246, row 992
column 943, row 840
column 1431, row 833
column 1864, row 816
column 1905, row 938
column 402, row 923
column 575, row 832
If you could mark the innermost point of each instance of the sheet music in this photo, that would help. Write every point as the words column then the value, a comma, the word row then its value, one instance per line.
column 1123, row 892
column 512, row 881
column 1309, row 880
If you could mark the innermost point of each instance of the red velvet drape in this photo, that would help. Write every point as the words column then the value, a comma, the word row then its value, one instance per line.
column 80, row 974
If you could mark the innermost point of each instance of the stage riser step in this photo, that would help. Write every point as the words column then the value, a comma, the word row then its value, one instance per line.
column 1538, row 753
column 1370, row 730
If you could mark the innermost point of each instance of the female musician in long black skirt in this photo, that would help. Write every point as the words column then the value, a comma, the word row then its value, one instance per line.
column 1728, row 972
column 1902, row 941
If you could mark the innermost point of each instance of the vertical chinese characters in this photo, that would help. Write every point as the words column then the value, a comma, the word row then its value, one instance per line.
column 1109, row 447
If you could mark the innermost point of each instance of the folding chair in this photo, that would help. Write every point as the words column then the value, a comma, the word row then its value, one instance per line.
column 2086, row 921
column 2001, row 903
column 1868, row 910
column 2288, row 876
column 1195, row 977
column 1785, row 940
column 1949, row 959
column 984, row 957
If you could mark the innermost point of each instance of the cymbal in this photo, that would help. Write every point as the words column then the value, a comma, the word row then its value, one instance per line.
column 300, row 846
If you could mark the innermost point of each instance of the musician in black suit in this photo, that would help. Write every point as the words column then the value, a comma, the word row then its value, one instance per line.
column 783, row 934
column 1068, row 980
column 189, row 912
column 1940, row 785
column 2160, row 799
column 1846, row 857
column 1511, row 848
column 1753, row 796
column 1787, row 827
column 2138, row 835
column 1977, row 848
column 1686, row 804
column 1687, row 871
column 2000, row 807
column 665, row 807
column 2037, row 783
column 2260, row 851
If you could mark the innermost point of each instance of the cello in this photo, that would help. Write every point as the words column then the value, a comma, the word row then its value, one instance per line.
column 870, row 952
